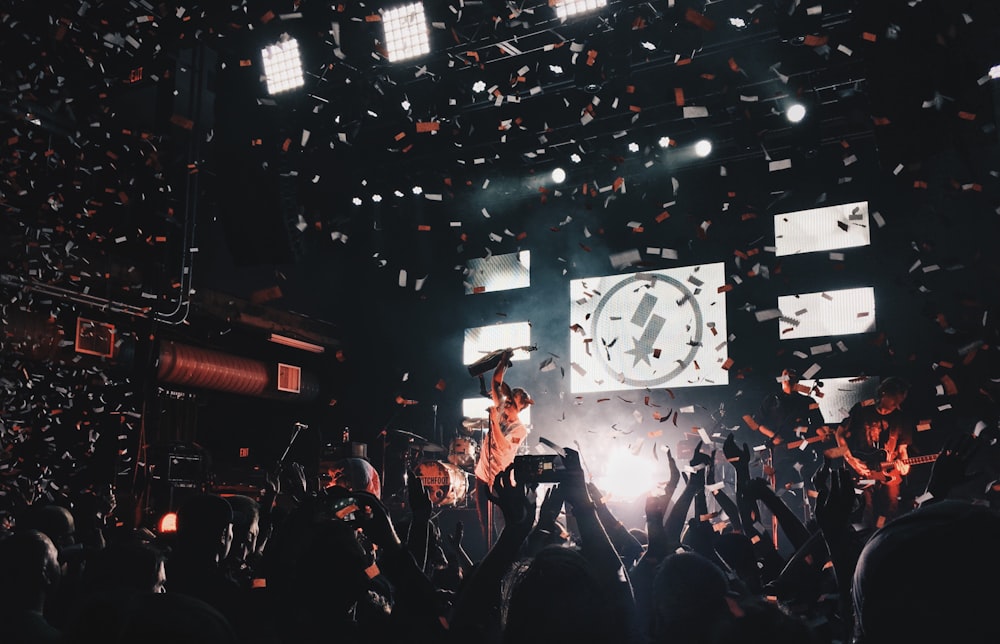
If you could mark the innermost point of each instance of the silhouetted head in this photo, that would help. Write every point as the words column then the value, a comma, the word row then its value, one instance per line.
column 555, row 596
column 915, row 579
column 29, row 568
column 689, row 592
column 205, row 525
column 246, row 525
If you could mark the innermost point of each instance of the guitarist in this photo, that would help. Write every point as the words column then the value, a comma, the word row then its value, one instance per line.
column 875, row 433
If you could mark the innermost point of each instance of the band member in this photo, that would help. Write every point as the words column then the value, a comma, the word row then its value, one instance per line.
column 872, row 440
column 786, row 418
column 505, row 436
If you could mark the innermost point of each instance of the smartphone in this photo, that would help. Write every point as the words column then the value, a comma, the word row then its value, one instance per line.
column 539, row 468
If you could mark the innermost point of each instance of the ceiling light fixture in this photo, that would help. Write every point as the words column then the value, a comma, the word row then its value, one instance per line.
column 296, row 344
column 703, row 148
column 795, row 112
column 282, row 66
column 568, row 8
column 406, row 32
column 558, row 175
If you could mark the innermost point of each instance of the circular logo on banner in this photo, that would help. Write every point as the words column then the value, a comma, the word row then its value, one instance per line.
column 646, row 329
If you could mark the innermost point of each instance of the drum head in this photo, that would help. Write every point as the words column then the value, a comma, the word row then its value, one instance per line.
column 446, row 483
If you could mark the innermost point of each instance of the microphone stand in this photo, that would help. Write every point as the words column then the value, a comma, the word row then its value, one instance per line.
column 281, row 461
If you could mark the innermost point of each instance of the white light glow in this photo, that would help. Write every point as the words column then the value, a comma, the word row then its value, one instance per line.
column 633, row 147
column 482, row 340
column 357, row 201
column 498, row 273
column 575, row 158
column 417, row 190
column 995, row 72
column 819, row 229
column 406, row 32
column 626, row 476
column 795, row 112
column 558, row 175
column 282, row 66
column 739, row 23
column 478, row 86
column 664, row 141
column 703, row 148
column 568, row 8
column 828, row 313
column 377, row 198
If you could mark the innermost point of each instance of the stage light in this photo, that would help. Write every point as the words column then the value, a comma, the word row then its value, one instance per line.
column 282, row 65
column 357, row 201
column 626, row 476
column 295, row 343
column 795, row 112
column 664, row 141
column 633, row 147
column 377, row 198
column 406, row 32
column 558, row 175
column 417, row 190
column 575, row 158
column 568, row 8
column 479, row 86
column 703, row 148
column 167, row 523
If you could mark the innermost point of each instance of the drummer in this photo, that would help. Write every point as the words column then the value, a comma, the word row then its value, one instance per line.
column 504, row 438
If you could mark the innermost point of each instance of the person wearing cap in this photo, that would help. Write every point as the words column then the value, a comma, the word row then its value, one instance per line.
column 503, row 440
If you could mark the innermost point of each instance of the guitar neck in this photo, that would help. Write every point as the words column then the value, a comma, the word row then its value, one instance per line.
column 916, row 460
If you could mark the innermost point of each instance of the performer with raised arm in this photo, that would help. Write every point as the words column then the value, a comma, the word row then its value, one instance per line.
column 502, row 441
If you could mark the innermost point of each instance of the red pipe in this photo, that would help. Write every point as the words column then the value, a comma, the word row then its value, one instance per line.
column 181, row 364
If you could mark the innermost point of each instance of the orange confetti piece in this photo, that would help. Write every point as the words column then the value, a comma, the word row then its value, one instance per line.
column 373, row 17
column 341, row 357
column 660, row 218
column 400, row 136
column 245, row 62
column 679, row 96
column 267, row 17
column 814, row 41
column 870, row 37
column 733, row 65
column 967, row 116
column 423, row 228
column 727, row 364
column 428, row 126
column 880, row 120
column 699, row 20
column 619, row 182
column 634, row 108
column 440, row 386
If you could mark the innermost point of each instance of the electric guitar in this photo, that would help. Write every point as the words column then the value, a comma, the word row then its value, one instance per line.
column 884, row 469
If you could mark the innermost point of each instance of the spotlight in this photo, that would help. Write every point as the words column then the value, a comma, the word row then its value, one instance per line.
column 575, row 158
column 479, row 86
column 664, row 141
column 376, row 198
column 633, row 147
column 795, row 112
column 995, row 72
column 406, row 32
column 356, row 201
column 703, row 148
column 558, row 175
column 417, row 190
column 282, row 65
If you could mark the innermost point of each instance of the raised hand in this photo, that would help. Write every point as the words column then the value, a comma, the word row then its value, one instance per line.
column 419, row 497
column 675, row 473
column 512, row 499
column 699, row 464
column 951, row 467
column 837, row 499
column 551, row 507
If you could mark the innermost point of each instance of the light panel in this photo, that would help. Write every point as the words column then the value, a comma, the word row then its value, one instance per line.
column 653, row 329
column 282, row 66
column 810, row 315
column 819, row 229
column 498, row 273
column 567, row 8
column 482, row 340
column 405, row 32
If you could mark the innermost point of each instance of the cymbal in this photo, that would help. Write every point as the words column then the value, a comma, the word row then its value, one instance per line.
column 475, row 423
column 418, row 441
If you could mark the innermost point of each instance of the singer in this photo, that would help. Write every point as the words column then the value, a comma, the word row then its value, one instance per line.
column 506, row 435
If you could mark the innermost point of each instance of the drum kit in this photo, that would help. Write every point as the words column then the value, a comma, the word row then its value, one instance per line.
column 448, row 481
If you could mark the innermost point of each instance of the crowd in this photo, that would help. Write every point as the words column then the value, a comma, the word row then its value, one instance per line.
column 333, row 565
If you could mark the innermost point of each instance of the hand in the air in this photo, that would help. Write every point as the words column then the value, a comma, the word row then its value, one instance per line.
column 419, row 497
column 837, row 498
column 512, row 499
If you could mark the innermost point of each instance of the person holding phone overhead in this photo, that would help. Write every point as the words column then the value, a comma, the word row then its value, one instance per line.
column 504, row 438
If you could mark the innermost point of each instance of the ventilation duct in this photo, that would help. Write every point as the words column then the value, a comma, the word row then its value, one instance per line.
column 188, row 366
